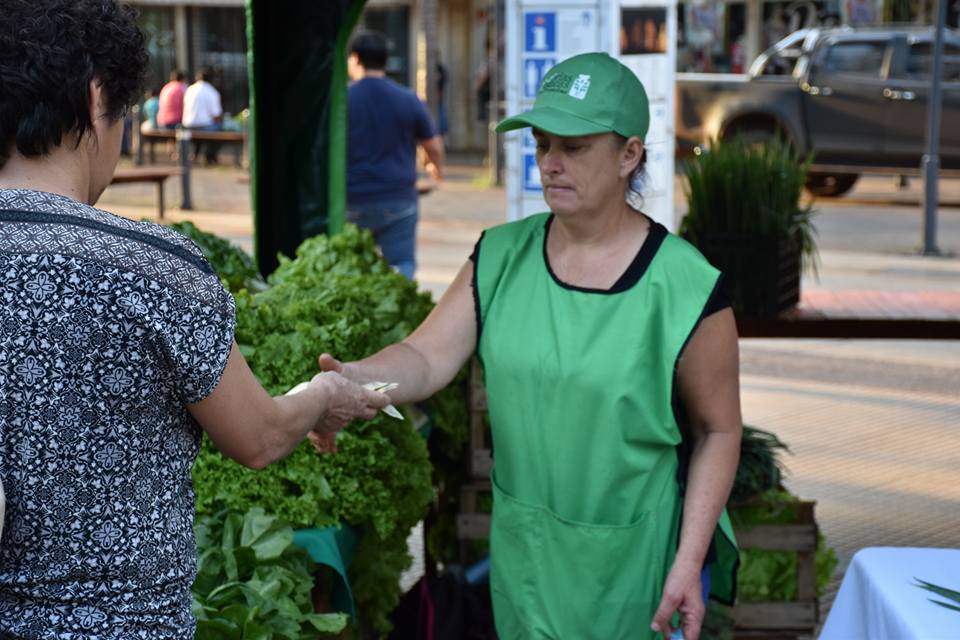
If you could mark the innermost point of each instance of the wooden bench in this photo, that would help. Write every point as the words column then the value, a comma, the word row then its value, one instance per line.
column 149, row 138
column 157, row 175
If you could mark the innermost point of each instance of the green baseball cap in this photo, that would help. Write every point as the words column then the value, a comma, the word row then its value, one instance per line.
column 586, row 94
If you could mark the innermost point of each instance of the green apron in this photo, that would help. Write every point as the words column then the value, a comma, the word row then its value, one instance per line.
column 580, row 383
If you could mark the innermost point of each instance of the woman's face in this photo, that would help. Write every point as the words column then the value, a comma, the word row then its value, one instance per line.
column 581, row 173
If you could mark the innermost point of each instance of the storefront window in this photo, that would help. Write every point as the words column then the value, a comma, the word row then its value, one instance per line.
column 159, row 35
column 711, row 37
column 220, row 44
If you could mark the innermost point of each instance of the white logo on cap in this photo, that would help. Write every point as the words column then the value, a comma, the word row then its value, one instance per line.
column 580, row 87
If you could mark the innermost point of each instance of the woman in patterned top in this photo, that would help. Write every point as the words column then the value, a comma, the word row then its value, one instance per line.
column 116, row 348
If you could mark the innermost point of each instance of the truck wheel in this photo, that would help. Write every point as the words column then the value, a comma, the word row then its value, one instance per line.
column 830, row 184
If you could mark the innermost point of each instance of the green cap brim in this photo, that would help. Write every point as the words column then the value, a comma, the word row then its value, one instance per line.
column 551, row 120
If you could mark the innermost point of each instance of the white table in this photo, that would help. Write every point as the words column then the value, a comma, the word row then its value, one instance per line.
column 879, row 599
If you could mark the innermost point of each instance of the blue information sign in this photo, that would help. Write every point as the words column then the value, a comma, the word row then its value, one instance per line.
column 527, row 139
column 533, row 71
column 540, row 32
column 531, row 173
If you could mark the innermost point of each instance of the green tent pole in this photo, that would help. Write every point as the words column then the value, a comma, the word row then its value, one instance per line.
column 337, row 191
column 251, row 121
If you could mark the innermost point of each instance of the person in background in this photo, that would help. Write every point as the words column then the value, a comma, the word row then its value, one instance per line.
column 116, row 352
column 202, row 111
column 386, row 123
column 442, row 123
column 611, row 368
column 151, row 107
column 170, row 107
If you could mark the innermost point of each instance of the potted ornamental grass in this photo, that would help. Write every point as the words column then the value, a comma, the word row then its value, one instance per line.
column 746, row 215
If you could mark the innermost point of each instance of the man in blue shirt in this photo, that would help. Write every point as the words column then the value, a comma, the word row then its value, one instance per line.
column 386, row 123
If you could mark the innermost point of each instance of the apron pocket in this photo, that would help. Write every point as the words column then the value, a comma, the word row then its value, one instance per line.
column 556, row 578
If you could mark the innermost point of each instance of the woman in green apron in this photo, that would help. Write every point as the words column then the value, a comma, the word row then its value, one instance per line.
column 610, row 361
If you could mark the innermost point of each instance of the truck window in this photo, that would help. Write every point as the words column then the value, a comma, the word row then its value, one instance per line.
column 781, row 63
column 920, row 61
column 863, row 59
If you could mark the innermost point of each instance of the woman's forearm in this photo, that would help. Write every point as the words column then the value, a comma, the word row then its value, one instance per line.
column 713, row 466
column 286, row 422
column 255, row 429
column 403, row 364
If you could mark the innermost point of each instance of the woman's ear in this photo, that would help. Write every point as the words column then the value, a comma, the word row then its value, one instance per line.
column 631, row 154
column 96, row 100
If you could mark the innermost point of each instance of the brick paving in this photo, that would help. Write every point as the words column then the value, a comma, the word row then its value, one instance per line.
column 881, row 462
column 935, row 304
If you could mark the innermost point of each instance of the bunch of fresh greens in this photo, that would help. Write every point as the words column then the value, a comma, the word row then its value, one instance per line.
column 771, row 575
column 744, row 188
column 338, row 296
column 234, row 266
column 253, row 583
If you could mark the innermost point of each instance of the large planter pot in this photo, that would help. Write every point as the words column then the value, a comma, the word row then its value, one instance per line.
column 762, row 272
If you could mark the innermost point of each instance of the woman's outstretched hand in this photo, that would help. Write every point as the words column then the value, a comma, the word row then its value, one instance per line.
column 345, row 401
column 328, row 363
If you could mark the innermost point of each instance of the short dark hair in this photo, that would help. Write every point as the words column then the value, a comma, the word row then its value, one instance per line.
column 50, row 50
column 177, row 76
column 371, row 48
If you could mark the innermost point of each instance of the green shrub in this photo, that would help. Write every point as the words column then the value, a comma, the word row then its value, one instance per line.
column 760, row 468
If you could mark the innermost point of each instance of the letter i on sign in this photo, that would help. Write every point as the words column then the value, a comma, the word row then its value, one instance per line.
column 540, row 34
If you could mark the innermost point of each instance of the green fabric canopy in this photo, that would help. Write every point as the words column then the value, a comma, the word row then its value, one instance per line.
column 298, row 105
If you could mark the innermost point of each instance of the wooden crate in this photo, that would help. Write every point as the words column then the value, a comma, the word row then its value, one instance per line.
column 770, row 620
column 471, row 524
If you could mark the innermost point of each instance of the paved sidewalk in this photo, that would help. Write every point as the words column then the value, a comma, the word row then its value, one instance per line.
column 874, row 427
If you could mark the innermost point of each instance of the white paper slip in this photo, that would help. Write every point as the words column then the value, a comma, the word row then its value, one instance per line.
column 382, row 387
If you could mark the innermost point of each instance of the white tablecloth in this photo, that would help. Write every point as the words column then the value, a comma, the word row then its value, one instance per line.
column 879, row 599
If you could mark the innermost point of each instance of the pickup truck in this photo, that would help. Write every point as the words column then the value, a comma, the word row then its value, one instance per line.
column 854, row 98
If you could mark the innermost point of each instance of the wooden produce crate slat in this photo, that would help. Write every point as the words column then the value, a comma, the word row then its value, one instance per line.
column 481, row 463
column 807, row 576
column 799, row 615
column 778, row 537
column 473, row 526
column 478, row 393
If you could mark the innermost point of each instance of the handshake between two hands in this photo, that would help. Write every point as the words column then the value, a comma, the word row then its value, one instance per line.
column 347, row 402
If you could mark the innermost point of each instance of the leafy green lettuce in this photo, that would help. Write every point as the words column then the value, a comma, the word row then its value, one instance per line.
column 338, row 296
column 253, row 583
column 234, row 266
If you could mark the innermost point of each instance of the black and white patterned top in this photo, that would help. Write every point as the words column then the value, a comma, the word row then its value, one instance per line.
column 108, row 328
